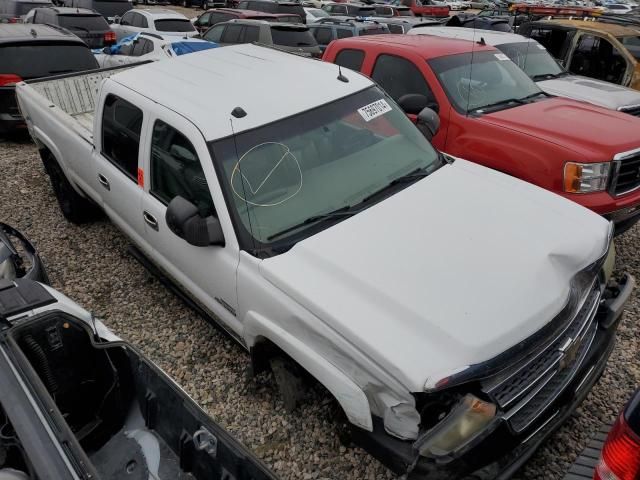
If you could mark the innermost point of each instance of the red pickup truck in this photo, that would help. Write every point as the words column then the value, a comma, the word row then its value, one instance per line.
column 491, row 113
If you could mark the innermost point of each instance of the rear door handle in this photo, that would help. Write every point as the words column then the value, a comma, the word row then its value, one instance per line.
column 150, row 219
column 103, row 181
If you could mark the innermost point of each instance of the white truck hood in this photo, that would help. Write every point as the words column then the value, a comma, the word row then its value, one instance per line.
column 447, row 273
column 604, row 94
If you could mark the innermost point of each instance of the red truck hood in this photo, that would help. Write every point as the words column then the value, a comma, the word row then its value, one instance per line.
column 594, row 133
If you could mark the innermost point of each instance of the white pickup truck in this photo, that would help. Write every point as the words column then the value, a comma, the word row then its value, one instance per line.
column 457, row 315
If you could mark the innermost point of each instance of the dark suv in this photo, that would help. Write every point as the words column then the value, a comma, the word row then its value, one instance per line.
column 328, row 29
column 87, row 24
column 33, row 51
column 270, row 6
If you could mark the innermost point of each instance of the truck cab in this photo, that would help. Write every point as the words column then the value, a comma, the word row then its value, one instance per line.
column 492, row 113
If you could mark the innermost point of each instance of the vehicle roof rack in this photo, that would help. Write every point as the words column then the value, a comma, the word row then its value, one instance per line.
column 345, row 21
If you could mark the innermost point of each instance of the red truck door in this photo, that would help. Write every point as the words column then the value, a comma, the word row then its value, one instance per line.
column 400, row 75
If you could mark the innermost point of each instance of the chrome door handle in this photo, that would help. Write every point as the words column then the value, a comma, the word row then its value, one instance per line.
column 103, row 181
column 150, row 219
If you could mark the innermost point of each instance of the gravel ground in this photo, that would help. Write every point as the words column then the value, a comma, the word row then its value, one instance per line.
column 90, row 264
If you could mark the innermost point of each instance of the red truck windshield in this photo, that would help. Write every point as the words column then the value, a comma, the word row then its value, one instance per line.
column 474, row 81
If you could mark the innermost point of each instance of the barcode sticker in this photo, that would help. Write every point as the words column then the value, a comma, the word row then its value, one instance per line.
column 501, row 56
column 375, row 109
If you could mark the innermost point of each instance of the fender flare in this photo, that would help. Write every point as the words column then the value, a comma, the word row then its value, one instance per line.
column 350, row 396
column 43, row 142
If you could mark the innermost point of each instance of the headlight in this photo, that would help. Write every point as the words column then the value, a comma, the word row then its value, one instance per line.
column 466, row 419
column 586, row 177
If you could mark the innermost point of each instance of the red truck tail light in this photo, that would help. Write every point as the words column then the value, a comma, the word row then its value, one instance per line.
column 14, row 19
column 109, row 37
column 9, row 79
column 620, row 458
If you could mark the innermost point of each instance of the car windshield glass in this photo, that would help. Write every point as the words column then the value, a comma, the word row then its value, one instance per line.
column 330, row 158
column 292, row 37
column 22, row 8
column 632, row 44
column 83, row 22
column 33, row 60
column 476, row 80
column 174, row 25
column 533, row 58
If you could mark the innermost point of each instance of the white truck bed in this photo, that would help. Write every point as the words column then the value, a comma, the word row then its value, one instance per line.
column 71, row 98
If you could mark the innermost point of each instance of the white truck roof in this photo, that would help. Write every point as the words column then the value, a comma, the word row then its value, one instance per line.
column 205, row 87
column 490, row 37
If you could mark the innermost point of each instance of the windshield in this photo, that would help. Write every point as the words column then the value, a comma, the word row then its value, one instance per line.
column 174, row 25
column 533, row 58
column 83, row 22
column 491, row 79
column 632, row 44
column 292, row 37
column 34, row 60
column 277, row 176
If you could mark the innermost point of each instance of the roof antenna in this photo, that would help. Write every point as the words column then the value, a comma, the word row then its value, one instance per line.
column 482, row 42
column 341, row 77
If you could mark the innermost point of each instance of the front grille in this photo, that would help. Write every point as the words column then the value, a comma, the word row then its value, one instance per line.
column 634, row 110
column 525, row 393
column 626, row 176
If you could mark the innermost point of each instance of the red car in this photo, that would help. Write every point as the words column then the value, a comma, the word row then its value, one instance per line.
column 218, row 15
column 491, row 113
column 424, row 8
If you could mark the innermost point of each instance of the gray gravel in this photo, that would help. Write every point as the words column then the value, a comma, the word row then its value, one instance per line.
column 90, row 265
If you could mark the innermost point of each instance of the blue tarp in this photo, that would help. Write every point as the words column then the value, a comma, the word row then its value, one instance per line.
column 190, row 47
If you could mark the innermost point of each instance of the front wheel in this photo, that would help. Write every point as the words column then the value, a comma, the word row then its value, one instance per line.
column 74, row 206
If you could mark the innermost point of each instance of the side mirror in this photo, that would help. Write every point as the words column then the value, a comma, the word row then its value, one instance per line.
column 428, row 123
column 184, row 221
column 414, row 103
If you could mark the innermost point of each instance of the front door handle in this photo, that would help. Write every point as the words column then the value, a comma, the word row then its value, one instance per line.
column 103, row 181
column 150, row 219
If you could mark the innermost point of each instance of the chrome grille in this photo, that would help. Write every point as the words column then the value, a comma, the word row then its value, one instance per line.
column 626, row 173
column 525, row 393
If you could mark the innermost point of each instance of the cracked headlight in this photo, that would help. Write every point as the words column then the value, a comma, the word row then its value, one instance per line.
column 470, row 416
column 586, row 177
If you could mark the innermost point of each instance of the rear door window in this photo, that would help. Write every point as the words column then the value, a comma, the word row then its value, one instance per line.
column 344, row 32
column 174, row 25
column 323, row 35
column 292, row 37
column 121, row 127
column 251, row 34
column 350, row 59
column 233, row 34
column 34, row 59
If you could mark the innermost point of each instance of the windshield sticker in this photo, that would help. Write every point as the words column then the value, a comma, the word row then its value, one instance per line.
column 501, row 56
column 267, row 175
column 374, row 110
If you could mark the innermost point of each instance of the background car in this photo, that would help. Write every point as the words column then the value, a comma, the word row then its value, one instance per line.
column 314, row 14
column 286, row 36
column 404, row 24
column 328, row 29
column 350, row 9
column 87, row 24
column 34, row 51
column 162, row 22
column 109, row 9
column 11, row 11
column 219, row 15
column 145, row 46
column 393, row 11
column 272, row 6
column 618, row 8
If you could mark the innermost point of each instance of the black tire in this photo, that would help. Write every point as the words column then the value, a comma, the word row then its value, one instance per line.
column 74, row 206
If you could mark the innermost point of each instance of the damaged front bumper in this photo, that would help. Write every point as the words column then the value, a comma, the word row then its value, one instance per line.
column 18, row 257
column 507, row 442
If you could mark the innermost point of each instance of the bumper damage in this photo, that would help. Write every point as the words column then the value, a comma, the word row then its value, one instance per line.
column 18, row 257
column 499, row 451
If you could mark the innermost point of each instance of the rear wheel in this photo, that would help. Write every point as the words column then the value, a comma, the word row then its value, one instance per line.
column 74, row 206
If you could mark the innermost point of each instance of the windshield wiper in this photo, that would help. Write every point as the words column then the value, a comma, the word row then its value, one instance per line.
column 413, row 175
column 549, row 76
column 340, row 212
column 502, row 103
